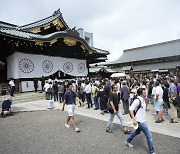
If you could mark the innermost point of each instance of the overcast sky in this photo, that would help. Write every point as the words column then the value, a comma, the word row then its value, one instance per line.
column 117, row 24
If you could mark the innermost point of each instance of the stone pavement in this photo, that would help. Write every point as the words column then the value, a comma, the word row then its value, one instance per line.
column 43, row 132
column 163, row 128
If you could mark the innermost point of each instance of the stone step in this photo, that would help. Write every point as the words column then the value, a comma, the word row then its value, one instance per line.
column 27, row 100
column 25, row 97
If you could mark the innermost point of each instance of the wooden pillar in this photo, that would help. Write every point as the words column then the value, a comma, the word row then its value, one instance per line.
column 87, row 64
column 17, row 89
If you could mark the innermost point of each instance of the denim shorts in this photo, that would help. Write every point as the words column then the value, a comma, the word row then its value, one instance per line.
column 158, row 105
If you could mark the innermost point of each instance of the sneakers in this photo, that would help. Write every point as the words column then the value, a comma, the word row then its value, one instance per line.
column 51, row 107
column 102, row 113
column 77, row 129
column 128, row 144
column 67, row 126
column 173, row 122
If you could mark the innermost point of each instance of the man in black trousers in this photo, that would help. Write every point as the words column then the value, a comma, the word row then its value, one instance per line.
column 88, row 95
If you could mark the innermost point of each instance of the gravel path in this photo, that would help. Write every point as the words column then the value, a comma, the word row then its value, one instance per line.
column 43, row 132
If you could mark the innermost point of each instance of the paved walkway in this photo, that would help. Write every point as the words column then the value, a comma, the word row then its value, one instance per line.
column 166, row 128
column 43, row 132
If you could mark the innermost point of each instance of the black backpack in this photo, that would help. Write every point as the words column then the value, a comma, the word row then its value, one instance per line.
column 139, row 106
column 176, row 102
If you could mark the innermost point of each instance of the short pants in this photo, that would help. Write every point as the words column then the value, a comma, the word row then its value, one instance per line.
column 158, row 105
column 70, row 109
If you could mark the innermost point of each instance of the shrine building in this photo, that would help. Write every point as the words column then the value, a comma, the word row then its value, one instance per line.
column 44, row 48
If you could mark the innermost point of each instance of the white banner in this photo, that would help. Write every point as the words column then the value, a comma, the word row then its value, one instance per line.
column 20, row 65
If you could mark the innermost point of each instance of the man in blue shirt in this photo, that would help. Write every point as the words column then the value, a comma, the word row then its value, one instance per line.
column 70, row 100
column 173, row 109
column 125, row 97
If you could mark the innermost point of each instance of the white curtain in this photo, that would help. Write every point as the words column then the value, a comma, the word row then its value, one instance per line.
column 20, row 65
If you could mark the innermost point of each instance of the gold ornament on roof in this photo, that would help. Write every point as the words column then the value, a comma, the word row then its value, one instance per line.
column 35, row 30
column 83, row 47
column 69, row 41
column 90, row 52
column 58, row 22
column 39, row 43
column 58, row 28
column 53, row 41
column 47, row 26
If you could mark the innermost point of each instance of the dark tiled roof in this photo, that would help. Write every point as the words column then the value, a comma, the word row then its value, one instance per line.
column 32, row 36
column 156, row 66
column 149, row 67
column 56, row 14
column 21, row 32
column 160, row 50
column 46, row 38
column 18, row 33
column 7, row 25
column 97, row 69
column 101, row 51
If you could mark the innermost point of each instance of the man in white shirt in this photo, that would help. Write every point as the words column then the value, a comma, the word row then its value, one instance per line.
column 88, row 95
column 46, row 87
column 12, row 87
column 74, row 86
column 158, row 104
column 84, row 93
column 139, row 119
column 153, row 94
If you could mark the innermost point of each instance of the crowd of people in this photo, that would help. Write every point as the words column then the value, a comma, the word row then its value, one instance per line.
column 135, row 94
column 162, row 92
column 106, row 95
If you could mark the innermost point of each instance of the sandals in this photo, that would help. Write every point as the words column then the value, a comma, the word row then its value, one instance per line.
column 108, row 130
column 158, row 121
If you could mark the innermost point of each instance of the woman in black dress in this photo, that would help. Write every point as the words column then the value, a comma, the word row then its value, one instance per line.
column 103, row 99
column 166, row 97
